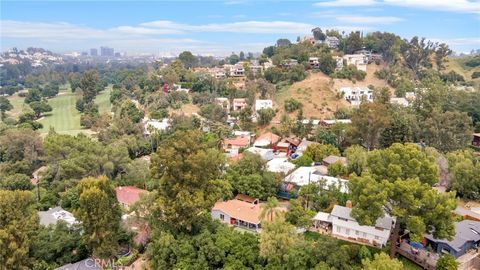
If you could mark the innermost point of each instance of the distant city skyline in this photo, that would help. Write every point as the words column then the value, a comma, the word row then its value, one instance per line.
column 220, row 27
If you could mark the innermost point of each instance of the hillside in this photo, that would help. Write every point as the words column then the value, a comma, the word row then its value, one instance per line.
column 458, row 65
column 317, row 93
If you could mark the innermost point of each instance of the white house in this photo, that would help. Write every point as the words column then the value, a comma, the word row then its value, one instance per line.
column 153, row 124
column 344, row 226
column 313, row 62
column 358, row 60
column 306, row 175
column 332, row 42
column 263, row 104
column 339, row 61
column 53, row 215
column 355, row 95
column 266, row 154
column 280, row 165
column 400, row 101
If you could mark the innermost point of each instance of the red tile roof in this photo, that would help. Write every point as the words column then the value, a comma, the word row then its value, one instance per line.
column 128, row 194
column 238, row 141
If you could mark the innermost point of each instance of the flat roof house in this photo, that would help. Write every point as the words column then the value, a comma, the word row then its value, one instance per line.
column 266, row 139
column 467, row 237
column 476, row 139
column 53, row 215
column 239, row 103
column 263, row 104
column 236, row 143
column 344, row 226
column 332, row 159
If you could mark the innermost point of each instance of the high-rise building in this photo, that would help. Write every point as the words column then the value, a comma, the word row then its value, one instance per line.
column 93, row 52
column 106, row 51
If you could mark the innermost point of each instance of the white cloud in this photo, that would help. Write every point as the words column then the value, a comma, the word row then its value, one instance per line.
column 464, row 6
column 368, row 19
column 444, row 5
column 455, row 42
column 346, row 3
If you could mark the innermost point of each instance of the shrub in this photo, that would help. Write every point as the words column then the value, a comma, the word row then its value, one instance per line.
column 292, row 105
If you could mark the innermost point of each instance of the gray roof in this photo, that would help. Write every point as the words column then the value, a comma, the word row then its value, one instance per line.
column 52, row 215
column 466, row 230
column 87, row 264
column 332, row 159
column 345, row 212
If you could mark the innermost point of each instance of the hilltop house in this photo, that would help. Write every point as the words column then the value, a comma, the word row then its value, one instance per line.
column 233, row 145
column 476, row 139
column 128, row 195
column 243, row 212
column 53, row 215
column 223, row 102
column 152, row 125
column 355, row 95
column 263, row 104
column 341, row 224
column 360, row 61
column 332, row 42
column 313, row 62
column 239, row 103
column 467, row 237
column 266, row 140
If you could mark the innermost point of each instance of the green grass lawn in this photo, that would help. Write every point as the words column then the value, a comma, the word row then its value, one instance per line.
column 65, row 118
column 409, row 265
column 18, row 105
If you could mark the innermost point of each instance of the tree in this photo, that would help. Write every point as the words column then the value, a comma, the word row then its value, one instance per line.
column 318, row 34
column 441, row 54
column 354, row 42
column 188, row 59
column 16, row 182
column 129, row 109
column 269, row 51
column 265, row 116
column 50, row 90
column 299, row 216
column 242, row 56
column 33, row 95
column 402, row 161
column 270, row 209
column 233, row 59
column 292, row 105
column 357, row 159
column 276, row 238
column 368, row 123
column 417, row 207
column 317, row 152
column 337, row 169
column 400, row 129
column 40, row 107
column 283, row 42
column 447, row 262
column 382, row 261
column 5, row 106
column 327, row 63
column 416, row 53
column 465, row 171
column 88, row 84
column 213, row 112
column 189, row 170
column 447, row 131
column 100, row 215
column 18, row 224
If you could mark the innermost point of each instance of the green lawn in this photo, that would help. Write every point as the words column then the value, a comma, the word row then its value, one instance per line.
column 409, row 265
column 65, row 118
column 18, row 105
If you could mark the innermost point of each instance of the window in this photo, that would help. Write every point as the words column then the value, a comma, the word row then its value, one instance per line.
column 339, row 229
column 347, row 231
column 376, row 237
column 364, row 235
column 222, row 216
column 357, row 232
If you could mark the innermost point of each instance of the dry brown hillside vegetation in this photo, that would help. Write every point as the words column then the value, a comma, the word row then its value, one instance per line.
column 318, row 93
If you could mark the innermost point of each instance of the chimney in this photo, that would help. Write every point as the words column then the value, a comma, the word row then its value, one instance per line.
column 348, row 204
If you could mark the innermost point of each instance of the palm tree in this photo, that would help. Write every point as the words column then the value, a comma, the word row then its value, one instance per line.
column 270, row 208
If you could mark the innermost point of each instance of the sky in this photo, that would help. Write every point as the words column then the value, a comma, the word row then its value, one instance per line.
column 219, row 27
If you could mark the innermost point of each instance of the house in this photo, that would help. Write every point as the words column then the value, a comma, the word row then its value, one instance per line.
column 237, row 71
column 332, row 42
column 330, row 122
column 87, row 264
column 239, row 103
column 313, row 62
column 288, row 63
column 303, row 146
column 280, row 165
column 240, row 213
column 288, row 145
column 341, row 224
column 360, row 61
column 265, row 154
column 339, row 61
column 263, row 104
column 53, row 215
column 128, row 195
column 305, row 175
column 355, row 95
column 400, row 101
column 467, row 237
column 266, row 140
column 410, row 96
column 152, row 125
column 476, row 139
column 332, row 159
column 223, row 102
column 232, row 145
column 309, row 39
